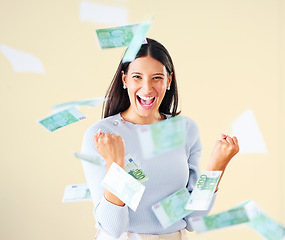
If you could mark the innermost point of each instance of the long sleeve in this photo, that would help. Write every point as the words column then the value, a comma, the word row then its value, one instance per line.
column 194, row 148
column 110, row 218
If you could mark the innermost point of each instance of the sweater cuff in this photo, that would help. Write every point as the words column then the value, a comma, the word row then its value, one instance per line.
column 111, row 218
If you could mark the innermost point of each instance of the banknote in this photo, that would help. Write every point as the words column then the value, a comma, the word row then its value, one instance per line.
column 162, row 136
column 242, row 213
column 94, row 102
column 136, row 41
column 116, row 36
column 202, row 194
column 266, row 227
column 89, row 158
column 61, row 119
column 171, row 209
column 132, row 169
column 76, row 193
column 124, row 186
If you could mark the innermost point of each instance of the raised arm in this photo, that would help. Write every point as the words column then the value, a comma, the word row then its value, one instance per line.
column 223, row 152
column 112, row 148
column 112, row 215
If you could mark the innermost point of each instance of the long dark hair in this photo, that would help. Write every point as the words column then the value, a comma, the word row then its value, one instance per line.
column 118, row 99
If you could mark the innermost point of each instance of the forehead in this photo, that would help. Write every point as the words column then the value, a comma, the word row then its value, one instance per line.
column 146, row 65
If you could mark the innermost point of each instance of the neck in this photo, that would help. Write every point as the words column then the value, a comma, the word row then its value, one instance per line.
column 137, row 119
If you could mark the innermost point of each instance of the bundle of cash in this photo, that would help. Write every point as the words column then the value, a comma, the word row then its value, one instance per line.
column 76, row 193
column 88, row 158
column 61, row 119
column 94, row 102
column 266, row 227
column 202, row 194
column 242, row 213
column 136, row 41
column 132, row 169
column 124, row 186
column 162, row 136
column 171, row 209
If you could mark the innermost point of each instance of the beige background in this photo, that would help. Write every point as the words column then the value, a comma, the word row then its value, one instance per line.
column 229, row 57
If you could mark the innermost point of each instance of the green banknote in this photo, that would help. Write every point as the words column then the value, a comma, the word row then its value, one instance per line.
column 171, row 209
column 61, row 119
column 117, row 36
column 76, row 193
column 132, row 169
column 94, row 102
column 162, row 136
column 202, row 194
column 124, row 186
column 136, row 41
column 266, row 227
column 242, row 213
column 92, row 159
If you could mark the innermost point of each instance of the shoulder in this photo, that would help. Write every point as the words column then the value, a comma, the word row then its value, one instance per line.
column 106, row 125
column 192, row 131
column 191, row 125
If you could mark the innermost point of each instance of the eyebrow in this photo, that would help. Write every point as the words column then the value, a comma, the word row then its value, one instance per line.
column 152, row 74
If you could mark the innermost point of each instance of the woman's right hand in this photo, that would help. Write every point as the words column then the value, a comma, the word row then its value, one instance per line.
column 111, row 147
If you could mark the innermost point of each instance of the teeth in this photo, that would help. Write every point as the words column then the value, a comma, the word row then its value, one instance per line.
column 146, row 98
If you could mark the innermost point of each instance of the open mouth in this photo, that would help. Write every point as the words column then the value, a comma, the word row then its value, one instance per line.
column 146, row 101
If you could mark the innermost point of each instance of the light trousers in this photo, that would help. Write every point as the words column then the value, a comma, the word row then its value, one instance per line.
column 180, row 235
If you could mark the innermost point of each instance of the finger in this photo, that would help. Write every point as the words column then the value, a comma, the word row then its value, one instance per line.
column 230, row 140
column 224, row 141
column 235, row 140
column 223, row 135
column 96, row 141
column 108, row 134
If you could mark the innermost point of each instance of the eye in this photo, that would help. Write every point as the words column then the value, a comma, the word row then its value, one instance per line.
column 136, row 76
column 157, row 78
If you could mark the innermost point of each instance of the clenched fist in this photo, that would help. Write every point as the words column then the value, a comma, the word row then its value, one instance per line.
column 223, row 152
column 111, row 147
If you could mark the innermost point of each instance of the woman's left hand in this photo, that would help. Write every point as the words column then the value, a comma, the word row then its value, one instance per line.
column 223, row 152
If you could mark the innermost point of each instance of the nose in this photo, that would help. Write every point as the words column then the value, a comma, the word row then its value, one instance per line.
column 147, row 86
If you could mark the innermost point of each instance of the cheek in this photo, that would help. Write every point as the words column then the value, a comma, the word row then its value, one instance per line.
column 161, row 89
column 131, row 92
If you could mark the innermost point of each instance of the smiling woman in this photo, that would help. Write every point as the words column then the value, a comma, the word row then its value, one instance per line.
column 153, row 72
column 144, row 92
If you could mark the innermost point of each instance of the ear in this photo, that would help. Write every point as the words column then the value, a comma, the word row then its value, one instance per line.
column 124, row 76
column 169, row 79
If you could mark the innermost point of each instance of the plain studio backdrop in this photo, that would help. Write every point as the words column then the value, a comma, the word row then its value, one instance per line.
column 229, row 57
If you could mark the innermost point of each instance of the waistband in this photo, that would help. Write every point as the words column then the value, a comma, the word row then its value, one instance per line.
column 180, row 235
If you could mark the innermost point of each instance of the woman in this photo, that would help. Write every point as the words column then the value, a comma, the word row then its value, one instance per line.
column 143, row 92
